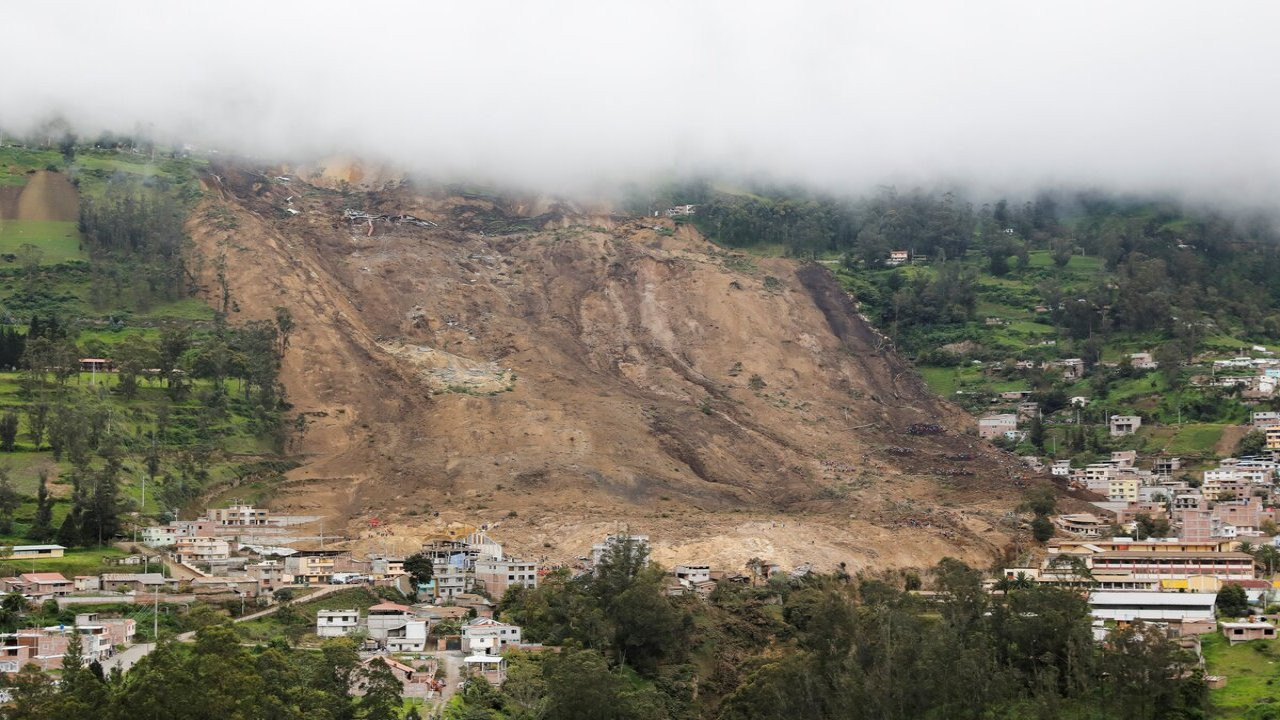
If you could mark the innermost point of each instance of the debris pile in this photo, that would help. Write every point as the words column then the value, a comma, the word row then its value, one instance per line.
column 925, row 429
column 360, row 216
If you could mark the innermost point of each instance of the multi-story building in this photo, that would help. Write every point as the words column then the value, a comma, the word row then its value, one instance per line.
column 1123, row 488
column 1124, row 424
column 1176, row 565
column 1273, row 438
column 239, row 516
column 994, row 426
column 495, row 576
column 387, row 616
column 336, row 623
column 488, row 636
column 159, row 536
column 200, row 549
column 1196, row 524
column 312, row 567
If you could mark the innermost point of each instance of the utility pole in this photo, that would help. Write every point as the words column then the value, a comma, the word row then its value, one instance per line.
column 155, row 621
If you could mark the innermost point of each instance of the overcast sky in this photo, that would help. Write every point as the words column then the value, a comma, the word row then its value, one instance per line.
column 1132, row 95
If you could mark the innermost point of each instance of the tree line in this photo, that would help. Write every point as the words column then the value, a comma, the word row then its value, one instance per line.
column 827, row 646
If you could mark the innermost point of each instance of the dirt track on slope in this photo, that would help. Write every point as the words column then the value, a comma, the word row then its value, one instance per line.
column 47, row 195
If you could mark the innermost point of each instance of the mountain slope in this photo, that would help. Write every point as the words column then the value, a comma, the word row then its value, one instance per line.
column 563, row 374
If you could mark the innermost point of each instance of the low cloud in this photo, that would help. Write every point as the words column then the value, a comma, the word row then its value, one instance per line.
column 1141, row 96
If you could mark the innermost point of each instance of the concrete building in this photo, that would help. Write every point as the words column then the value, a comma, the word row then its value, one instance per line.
column 409, row 637
column 336, row 623
column 34, row 552
column 385, row 617
column 1124, row 424
column 1236, row 632
column 1264, row 420
column 200, row 549
column 239, row 516
column 1187, row 612
column 495, row 576
column 599, row 550
column 1273, row 438
column 994, row 426
column 692, row 574
column 1123, row 488
column 159, row 536
column 312, row 567
column 488, row 636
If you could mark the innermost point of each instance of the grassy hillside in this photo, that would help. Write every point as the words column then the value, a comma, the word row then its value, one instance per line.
column 104, row 267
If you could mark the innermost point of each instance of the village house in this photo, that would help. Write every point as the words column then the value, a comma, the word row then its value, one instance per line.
column 159, row 536
column 993, row 426
column 1123, row 488
column 1060, row 468
column 1124, row 424
column 239, row 516
column 117, row 631
column 312, row 567
column 1196, row 524
column 1081, row 524
column 33, row 552
column 40, row 586
column 599, row 549
column 477, row 604
column 385, row 617
column 1028, row 410
column 416, row 680
column 692, row 573
column 269, row 574
column 1262, row 420
column 199, row 549
column 336, row 623
column 1246, row 630
column 1072, row 368
column 495, row 575
column 488, row 636
column 410, row 637
column 1186, row 613
column 898, row 257
column 1143, row 361
column 86, row 583
column 136, row 582
column 387, row 565
column 1167, row 466
column 1273, row 438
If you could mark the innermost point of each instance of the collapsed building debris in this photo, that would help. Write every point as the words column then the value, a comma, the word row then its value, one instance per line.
column 360, row 216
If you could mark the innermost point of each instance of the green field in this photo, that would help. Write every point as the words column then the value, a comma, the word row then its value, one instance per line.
column 58, row 242
column 1195, row 439
column 1253, row 677
column 76, row 562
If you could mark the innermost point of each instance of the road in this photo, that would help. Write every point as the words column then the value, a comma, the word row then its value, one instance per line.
column 128, row 657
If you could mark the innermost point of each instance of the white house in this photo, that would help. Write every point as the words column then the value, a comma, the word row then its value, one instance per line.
column 336, row 623
column 488, row 636
column 409, row 637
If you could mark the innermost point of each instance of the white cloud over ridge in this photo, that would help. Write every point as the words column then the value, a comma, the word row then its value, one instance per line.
column 1144, row 96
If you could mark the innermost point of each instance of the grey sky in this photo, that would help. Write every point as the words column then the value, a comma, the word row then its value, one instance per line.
column 1132, row 95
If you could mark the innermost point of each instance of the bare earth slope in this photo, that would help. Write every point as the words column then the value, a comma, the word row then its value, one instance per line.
column 565, row 375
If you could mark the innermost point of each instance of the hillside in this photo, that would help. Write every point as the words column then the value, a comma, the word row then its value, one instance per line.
column 517, row 362
column 93, row 265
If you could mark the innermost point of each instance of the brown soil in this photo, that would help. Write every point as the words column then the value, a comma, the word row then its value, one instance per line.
column 726, row 407
column 46, row 196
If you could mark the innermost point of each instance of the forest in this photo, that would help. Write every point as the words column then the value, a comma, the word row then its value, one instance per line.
column 1170, row 267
